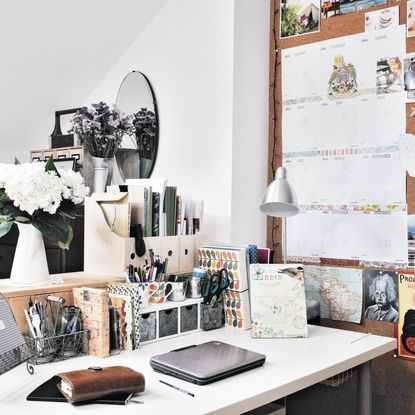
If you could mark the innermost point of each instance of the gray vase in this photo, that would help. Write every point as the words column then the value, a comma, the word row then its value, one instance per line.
column 145, row 166
column 102, row 174
column 128, row 162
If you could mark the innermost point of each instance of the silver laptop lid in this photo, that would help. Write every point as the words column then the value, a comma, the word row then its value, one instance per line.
column 208, row 359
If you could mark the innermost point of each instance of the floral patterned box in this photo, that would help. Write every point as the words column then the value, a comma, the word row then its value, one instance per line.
column 278, row 305
column 237, row 309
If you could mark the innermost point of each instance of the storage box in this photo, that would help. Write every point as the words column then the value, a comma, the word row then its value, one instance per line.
column 169, row 325
column 233, row 260
column 237, row 312
column 93, row 303
column 148, row 326
column 189, row 318
column 170, row 319
column 130, row 292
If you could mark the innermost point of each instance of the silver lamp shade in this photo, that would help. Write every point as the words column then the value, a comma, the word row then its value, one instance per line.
column 279, row 199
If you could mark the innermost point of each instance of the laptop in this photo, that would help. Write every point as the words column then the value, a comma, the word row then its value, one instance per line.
column 13, row 348
column 207, row 362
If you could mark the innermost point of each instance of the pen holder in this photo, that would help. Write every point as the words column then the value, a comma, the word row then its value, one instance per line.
column 212, row 317
column 179, row 290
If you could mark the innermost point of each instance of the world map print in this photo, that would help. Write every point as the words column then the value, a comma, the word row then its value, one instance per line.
column 339, row 290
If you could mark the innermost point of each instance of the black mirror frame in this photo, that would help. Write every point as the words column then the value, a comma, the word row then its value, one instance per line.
column 156, row 114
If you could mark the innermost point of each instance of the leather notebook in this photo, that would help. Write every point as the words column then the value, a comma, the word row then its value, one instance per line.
column 49, row 392
column 95, row 382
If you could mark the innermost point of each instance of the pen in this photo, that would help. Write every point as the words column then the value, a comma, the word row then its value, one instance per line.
column 177, row 388
column 360, row 338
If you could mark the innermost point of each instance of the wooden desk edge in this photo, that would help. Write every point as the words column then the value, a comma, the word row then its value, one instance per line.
column 71, row 280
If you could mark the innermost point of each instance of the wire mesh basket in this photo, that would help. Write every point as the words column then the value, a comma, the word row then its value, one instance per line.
column 339, row 379
column 60, row 347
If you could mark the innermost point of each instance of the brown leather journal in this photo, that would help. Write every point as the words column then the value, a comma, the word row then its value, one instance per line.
column 93, row 383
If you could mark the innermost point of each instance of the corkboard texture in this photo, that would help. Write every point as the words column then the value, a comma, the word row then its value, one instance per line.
column 393, row 378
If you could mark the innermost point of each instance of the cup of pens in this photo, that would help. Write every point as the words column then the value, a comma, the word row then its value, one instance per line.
column 179, row 287
column 160, row 291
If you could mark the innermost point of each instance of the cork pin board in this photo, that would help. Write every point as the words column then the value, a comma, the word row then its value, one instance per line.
column 391, row 375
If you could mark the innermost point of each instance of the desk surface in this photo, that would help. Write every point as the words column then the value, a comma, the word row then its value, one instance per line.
column 291, row 365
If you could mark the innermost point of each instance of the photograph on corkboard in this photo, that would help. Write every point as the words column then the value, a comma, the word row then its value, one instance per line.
column 410, row 19
column 299, row 17
column 381, row 295
column 331, row 8
column 409, row 77
column 389, row 75
column 382, row 19
column 409, row 164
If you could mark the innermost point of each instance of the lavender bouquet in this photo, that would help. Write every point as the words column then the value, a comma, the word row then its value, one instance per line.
column 144, row 122
column 101, row 128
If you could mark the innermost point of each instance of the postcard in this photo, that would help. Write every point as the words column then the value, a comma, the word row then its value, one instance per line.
column 410, row 18
column 406, row 325
column 389, row 75
column 381, row 295
column 331, row 8
column 411, row 240
column 299, row 17
column 409, row 77
column 382, row 19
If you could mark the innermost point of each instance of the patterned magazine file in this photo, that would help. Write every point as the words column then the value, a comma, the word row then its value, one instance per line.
column 278, row 306
column 126, row 297
column 213, row 258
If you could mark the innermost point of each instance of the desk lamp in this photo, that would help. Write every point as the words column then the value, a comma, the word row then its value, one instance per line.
column 280, row 200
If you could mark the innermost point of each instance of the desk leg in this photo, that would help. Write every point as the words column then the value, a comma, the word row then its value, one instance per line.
column 365, row 388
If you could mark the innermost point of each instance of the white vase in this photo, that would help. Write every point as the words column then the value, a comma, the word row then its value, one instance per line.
column 29, row 265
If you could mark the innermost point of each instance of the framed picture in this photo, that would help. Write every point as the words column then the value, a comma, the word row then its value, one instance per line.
column 65, row 163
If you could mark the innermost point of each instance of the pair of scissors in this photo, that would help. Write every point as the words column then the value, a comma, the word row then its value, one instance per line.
column 213, row 285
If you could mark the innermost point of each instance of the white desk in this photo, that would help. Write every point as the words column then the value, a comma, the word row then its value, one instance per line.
column 291, row 365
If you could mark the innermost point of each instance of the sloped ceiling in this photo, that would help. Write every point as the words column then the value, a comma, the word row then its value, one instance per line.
column 53, row 54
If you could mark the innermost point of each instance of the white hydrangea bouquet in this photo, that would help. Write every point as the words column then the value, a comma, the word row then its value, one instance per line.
column 40, row 195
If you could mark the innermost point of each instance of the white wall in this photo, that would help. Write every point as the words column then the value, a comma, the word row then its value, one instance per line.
column 250, row 120
column 53, row 54
column 187, row 53
column 208, row 65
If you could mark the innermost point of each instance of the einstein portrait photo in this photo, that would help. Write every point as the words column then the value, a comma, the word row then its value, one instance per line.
column 381, row 295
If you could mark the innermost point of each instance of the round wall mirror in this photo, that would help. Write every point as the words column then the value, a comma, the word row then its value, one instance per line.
column 137, row 156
